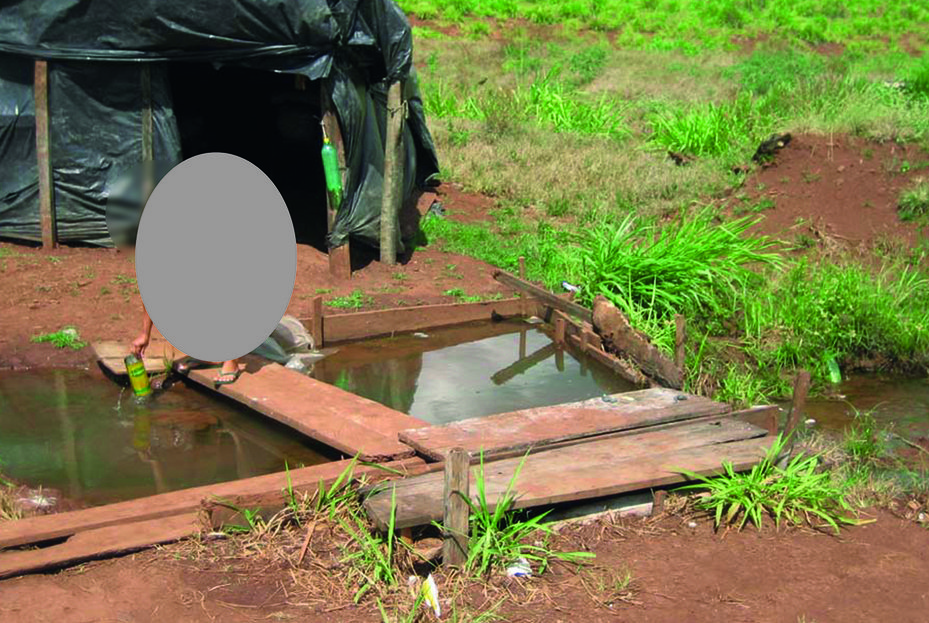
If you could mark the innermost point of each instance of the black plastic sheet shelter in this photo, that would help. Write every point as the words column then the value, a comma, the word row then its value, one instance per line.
column 96, row 51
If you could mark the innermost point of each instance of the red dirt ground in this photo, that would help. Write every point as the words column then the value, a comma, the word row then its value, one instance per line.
column 842, row 187
column 874, row 572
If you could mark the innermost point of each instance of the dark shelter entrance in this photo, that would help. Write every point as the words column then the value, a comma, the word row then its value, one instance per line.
column 270, row 119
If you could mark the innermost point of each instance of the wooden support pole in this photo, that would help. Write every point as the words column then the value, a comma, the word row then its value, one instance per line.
column 560, row 327
column 457, row 511
column 340, row 258
column 46, row 188
column 522, row 275
column 659, row 496
column 393, row 175
column 798, row 404
column 316, row 322
column 522, row 344
column 679, row 339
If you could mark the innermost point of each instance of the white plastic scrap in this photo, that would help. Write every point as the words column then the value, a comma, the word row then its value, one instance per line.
column 519, row 569
column 810, row 423
column 421, row 335
column 429, row 591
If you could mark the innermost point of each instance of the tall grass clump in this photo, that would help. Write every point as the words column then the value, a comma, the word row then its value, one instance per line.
column 914, row 201
column 798, row 494
column 843, row 309
column 692, row 265
column 8, row 508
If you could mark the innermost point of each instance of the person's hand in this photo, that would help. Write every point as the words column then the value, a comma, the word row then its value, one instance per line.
column 139, row 345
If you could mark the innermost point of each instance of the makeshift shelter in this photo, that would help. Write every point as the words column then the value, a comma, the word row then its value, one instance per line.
column 91, row 88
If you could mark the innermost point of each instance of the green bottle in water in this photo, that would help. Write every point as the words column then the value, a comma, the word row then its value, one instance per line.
column 138, row 377
column 333, row 175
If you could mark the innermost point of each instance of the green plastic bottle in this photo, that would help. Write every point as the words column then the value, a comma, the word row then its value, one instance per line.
column 333, row 175
column 835, row 374
column 138, row 377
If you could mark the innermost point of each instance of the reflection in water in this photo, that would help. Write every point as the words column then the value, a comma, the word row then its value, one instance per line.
column 77, row 432
column 464, row 372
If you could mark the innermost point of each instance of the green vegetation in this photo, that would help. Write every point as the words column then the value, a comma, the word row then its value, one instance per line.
column 499, row 536
column 356, row 300
column 798, row 494
column 914, row 201
column 8, row 507
column 67, row 337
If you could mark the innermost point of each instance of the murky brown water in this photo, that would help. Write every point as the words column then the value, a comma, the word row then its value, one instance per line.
column 467, row 371
column 901, row 403
column 79, row 433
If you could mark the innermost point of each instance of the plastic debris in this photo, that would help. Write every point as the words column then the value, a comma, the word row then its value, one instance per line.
column 535, row 320
column 810, row 422
column 835, row 375
column 608, row 398
column 430, row 594
column 569, row 287
column 436, row 209
column 680, row 398
column 519, row 569
column 421, row 335
column 692, row 524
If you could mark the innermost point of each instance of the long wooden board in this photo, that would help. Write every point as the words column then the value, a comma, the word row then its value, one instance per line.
column 268, row 487
column 521, row 430
column 350, row 423
column 360, row 325
column 111, row 353
column 549, row 299
column 585, row 470
column 99, row 543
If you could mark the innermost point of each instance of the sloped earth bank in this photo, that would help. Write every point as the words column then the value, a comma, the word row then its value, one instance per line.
column 874, row 572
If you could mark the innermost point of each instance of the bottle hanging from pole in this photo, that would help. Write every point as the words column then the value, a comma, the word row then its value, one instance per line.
column 333, row 175
column 138, row 377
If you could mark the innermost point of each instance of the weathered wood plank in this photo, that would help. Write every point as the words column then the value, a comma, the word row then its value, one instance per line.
column 457, row 512
column 100, row 543
column 574, row 337
column 259, row 489
column 43, row 157
column 361, row 325
column 548, row 298
column 520, row 430
column 350, row 423
column 585, row 470
column 622, row 338
column 393, row 174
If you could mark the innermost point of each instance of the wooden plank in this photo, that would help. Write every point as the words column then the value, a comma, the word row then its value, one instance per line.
column 680, row 337
column 586, row 470
column 456, row 510
column 110, row 353
column 259, row 488
column 361, row 325
column 340, row 261
column 350, row 423
column 548, row 298
column 520, row 430
column 43, row 157
column 100, row 543
column 620, row 337
column 393, row 172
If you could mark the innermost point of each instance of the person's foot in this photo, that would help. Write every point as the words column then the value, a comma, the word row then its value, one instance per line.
column 229, row 373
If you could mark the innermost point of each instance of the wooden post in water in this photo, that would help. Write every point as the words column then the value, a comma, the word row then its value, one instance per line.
column 316, row 318
column 43, row 158
column 457, row 511
column 798, row 404
column 393, row 175
column 523, row 308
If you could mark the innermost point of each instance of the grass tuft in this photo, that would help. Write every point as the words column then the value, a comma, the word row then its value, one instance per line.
column 67, row 337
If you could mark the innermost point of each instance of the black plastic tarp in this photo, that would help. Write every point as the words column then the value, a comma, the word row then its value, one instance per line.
column 96, row 50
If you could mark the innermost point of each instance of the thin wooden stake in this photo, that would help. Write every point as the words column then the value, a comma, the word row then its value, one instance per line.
column 393, row 174
column 316, row 326
column 457, row 491
column 560, row 327
column 523, row 308
column 340, row 258
column 798, row 404
column 46, row 188
column 679, row 340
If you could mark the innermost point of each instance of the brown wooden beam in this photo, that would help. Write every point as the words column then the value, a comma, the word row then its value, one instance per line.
column 798, row 404
column 43, row 157
column 340, row 258
column 457, row 511
column 548, row 298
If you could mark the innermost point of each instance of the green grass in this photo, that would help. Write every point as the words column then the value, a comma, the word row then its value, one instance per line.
column 801, row 493
column 9, row 510
column 914, row 201
column 68, row 337
column 356, row 300
column 861, row 439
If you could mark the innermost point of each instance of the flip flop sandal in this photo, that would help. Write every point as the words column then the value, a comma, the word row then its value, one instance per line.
column 223, row 380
